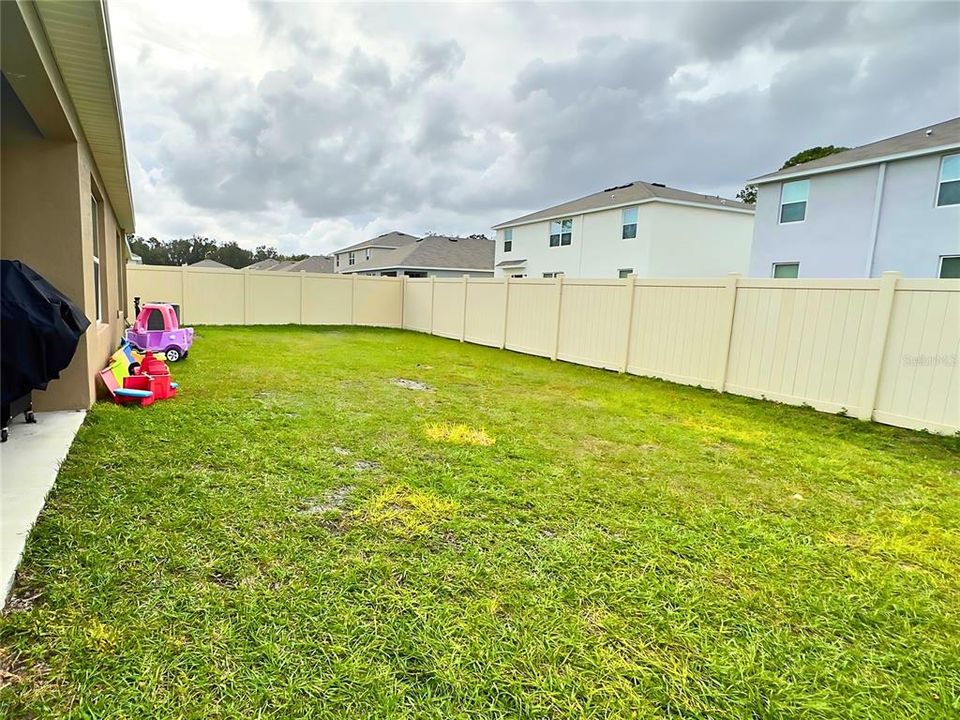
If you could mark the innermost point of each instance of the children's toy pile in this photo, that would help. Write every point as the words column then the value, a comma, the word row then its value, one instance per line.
column 134, row 373
column 134, row 378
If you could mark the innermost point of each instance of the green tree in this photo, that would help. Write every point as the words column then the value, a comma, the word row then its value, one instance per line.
column 749, row 192
column 186, row 251
column 233, row 255
column 814, row 153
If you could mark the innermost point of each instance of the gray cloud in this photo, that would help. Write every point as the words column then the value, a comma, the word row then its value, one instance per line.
column 434, row 124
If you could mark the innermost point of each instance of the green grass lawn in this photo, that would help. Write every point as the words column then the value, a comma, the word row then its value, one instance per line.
column 297, row 535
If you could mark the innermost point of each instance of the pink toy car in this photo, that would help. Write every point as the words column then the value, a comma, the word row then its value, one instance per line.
column 157, row 329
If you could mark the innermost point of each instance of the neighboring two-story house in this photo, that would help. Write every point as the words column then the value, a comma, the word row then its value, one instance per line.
column 890, row 205
column 432, row 256
column 371, row 249
column 641, row 228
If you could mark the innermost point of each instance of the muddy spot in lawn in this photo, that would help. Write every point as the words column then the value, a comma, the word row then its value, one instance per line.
column 411, row 384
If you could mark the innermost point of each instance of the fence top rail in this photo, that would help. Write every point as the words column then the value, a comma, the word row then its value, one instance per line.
column 929, row 284
column 681, row 282
column 812, row 284
column 581, row 282
column 366, row 278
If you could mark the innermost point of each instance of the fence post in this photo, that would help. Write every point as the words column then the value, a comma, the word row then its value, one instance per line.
column 432, row 287
column 729, row 309
column 183, row 293
column 403, row 302
column 246, row 274
column 878, row 344
column 630, row 283
column 353, row 299
column 506, row 311
column 302, row 273
column 463, row 317
column 558, row 281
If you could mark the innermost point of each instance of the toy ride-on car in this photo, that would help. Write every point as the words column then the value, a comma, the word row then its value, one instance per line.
column 157, row 329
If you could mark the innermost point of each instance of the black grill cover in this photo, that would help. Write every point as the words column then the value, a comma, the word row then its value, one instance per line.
column 39, row 330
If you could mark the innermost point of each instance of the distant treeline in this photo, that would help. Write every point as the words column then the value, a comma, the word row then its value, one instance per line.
column 186, row 251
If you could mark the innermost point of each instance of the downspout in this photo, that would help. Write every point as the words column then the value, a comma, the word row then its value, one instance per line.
column 875, row 222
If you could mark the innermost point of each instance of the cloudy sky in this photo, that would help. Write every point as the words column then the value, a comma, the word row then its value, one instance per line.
column 310, row 126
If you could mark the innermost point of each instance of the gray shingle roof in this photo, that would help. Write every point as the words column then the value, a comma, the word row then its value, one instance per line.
column 313, row 264
column 435, row 251
column 624, row 195
column 262, row 264
column 917, row 141
column 285, row 265
column 208, row 263
column 392, row 239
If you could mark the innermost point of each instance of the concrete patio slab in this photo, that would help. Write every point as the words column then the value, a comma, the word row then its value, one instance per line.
column 29, row 462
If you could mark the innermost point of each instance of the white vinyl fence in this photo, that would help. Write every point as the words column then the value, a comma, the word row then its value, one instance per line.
column 886, row 349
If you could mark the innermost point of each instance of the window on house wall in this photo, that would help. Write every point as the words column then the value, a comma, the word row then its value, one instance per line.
column 561, row 232
column 629, row 224
column 508, row 240
column 518, row 275
column 786, row 270
column 338, row 260
column 366, row 255
column 950, row 266
column 553, row 274
column 351, row 259
column 624, row 272
column 948, row 192
column 793, row 201
column 96, row 235
column 415, row 274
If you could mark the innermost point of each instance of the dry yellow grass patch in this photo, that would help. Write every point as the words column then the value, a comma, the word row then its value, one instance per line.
column 457, row 434
column 406, row 511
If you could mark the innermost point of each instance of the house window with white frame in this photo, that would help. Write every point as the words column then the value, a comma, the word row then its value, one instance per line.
column 351, row 258
column 948, row 191
column 629, row 231
column 508, row 240
column 786, row 270
column 623, row 273
column 949, row 266
column 366, row 255
column 553, row 274
column 793, row 201
column 561, row 232
column 338, row 260
column 97, row 275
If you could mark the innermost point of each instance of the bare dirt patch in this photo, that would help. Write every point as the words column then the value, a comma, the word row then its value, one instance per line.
column 362, row 465
column 411, row 384
column 331, row 501
column 341, row 450
column 21, row 600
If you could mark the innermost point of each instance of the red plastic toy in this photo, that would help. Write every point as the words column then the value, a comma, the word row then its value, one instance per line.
column 152, row 376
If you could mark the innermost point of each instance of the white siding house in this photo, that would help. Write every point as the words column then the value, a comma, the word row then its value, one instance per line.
column 641, row 228
column 373, row 249
column 889, row 205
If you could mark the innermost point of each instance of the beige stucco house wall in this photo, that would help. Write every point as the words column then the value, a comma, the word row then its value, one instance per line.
column 61, row 154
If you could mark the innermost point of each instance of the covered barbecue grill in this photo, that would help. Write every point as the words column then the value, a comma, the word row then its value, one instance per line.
column 40, row 329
